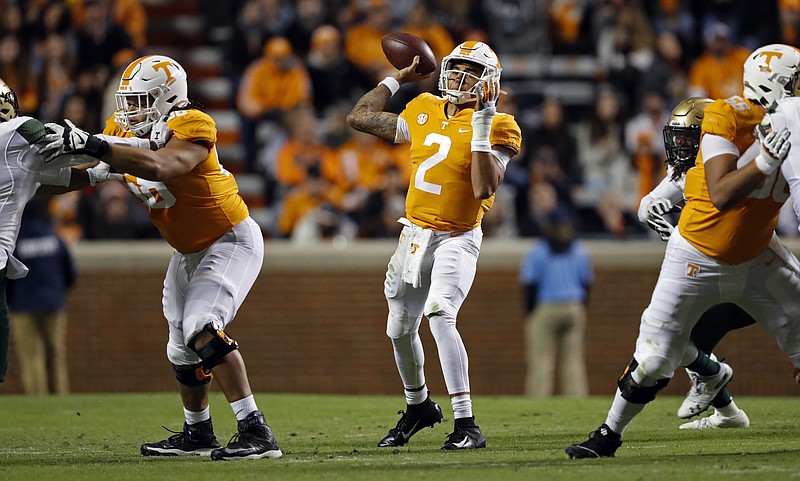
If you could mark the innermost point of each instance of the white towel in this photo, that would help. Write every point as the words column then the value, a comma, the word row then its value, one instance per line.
column 416, row 245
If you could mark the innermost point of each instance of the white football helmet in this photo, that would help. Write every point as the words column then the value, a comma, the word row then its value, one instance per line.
column 9, row 106
column 149, row 88
column 473, row 52
column 771, row 73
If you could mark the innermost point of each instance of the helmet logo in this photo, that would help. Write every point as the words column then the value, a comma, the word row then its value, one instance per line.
column 165, row 66
column 769, row 55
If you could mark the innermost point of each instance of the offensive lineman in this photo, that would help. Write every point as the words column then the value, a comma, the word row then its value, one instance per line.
column 682, row 143
column 720, row 251
column 460, row 147
column 219, row 249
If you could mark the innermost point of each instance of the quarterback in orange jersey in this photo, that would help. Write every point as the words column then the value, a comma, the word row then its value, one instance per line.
column 219, row 249
column 723, row 250
column 460, row 146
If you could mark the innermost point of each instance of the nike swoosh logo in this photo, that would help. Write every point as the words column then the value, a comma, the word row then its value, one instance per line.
column 464, row 443
column 407, row 436
column 462, row 131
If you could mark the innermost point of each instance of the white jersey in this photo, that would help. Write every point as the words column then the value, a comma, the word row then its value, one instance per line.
column 21, row 168
column 787, row 114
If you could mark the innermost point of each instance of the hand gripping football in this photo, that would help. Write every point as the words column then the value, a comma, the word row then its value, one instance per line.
column 400, row 49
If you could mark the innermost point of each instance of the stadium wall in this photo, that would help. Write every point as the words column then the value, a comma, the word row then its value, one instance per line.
column 315, row 322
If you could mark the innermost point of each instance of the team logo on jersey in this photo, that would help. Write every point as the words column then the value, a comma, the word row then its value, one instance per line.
column 422, row 118
column 692, row 269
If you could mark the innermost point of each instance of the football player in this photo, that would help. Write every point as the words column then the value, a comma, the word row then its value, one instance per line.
column 195, row 204
column 460, row 146
column 27, row 166
column 682, row 142
column 721, row 250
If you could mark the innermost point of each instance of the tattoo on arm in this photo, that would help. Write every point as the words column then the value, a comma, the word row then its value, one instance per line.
column 368, row 115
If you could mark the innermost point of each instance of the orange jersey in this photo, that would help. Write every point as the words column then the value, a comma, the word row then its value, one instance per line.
column 440, row 194
column 743, row 231
column 195, row 209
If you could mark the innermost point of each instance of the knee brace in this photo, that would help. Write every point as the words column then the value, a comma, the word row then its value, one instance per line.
column 215, row 350
column 633, row 391
column 192, row 375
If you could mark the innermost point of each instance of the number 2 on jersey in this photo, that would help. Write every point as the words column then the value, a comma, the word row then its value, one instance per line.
column 441, row 154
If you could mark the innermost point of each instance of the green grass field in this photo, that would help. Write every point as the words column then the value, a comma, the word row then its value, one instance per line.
column 97, row 437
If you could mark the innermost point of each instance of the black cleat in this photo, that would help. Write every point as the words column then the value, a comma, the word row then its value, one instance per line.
column 415, row 418
column 602, row 443
column 195, row 440
column 253, row 441
column 465, row 437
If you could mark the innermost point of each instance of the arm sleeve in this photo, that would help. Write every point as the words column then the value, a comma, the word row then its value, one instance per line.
column 666, row 189
column 125, row 141
column 402, row 135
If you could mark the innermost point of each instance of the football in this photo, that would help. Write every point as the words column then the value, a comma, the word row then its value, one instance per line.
column 400, row 49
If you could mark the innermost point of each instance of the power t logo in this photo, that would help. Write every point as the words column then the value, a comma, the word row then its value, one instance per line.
column 768, row 56
column 692, row 269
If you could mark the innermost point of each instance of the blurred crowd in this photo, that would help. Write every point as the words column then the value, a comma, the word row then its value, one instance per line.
column 295, row 69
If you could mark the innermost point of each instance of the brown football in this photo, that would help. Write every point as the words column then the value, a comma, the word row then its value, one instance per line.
column 400, row 49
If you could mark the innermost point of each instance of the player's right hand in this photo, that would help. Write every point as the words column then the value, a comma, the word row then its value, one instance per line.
column 773, row 149
column 102, row 173
column 410, row 74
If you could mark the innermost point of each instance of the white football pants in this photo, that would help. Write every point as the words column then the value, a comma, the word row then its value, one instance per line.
column 209, row 286
column 691, row 282
column 448, row 269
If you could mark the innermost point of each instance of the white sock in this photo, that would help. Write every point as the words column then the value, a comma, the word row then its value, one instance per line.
column 462, row 406
column 622, row 413
column 243, row 407
column 194, row 417
column 417, row 396
column 728, row 411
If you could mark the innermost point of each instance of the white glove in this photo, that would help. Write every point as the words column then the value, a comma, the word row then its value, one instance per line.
column 161, row 133
column 774, row 147
column 72, row 140
column 485, row 108
column 655, row 217
column 102, row 173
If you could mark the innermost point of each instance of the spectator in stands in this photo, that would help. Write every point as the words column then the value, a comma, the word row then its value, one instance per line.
column 100, row 40
column 363, row 162
column 570, row 31
column 605, row 164
column 37, row 303
column 113, row 214
column 645, row 143
column 333, row 77
column 304, row 152
column 55, row 71
column 309, row 212
column 717, row 73
column 363, row 40
column 666, row 73
column 423, row 22
column 310, row 15
column 790, row 21
column 272, row 85
column 15, row 70
column 517, row 26
column 384, row 206
column 556, row 275
column 624, row 44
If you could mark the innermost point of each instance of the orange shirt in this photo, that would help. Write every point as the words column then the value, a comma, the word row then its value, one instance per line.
column 265, row 87
column 719, row 78
column 742, row 232
column 193, row 210
column 362, row 46
column 440, row 196
column 290, row 168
